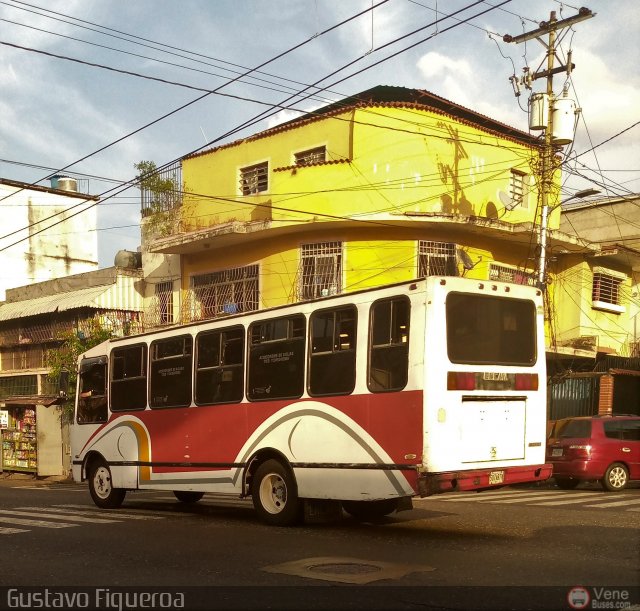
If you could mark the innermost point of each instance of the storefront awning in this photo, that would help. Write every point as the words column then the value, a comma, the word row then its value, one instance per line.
column 45, row 400
column 91, row 297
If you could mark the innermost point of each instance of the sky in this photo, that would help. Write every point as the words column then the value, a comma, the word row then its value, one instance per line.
column 139, row 88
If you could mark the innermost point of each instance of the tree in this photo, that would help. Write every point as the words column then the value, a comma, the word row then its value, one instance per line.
column 62, row 361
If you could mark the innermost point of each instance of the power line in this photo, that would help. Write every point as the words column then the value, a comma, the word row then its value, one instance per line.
column 261, row 116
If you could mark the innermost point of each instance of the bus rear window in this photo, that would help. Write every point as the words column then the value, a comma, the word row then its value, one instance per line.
column 483, row 329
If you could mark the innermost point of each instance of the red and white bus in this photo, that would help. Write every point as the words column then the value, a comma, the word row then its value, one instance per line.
column 364, row 399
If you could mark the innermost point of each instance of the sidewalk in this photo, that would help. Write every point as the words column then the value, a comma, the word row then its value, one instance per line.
column 21, row 479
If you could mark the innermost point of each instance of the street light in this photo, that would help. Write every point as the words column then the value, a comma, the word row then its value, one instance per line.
column 546, row 211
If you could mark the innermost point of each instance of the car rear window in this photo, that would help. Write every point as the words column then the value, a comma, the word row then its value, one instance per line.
column 574, row 428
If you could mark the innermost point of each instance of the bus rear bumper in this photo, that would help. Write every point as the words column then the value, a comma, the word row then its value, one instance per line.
column 481, row 479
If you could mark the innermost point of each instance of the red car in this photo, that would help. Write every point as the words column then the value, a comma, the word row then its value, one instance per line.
column 595, row 448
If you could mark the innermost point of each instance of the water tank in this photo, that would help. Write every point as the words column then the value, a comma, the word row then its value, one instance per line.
column 64, row 183
column 564, row 121
column 538, row 111
column 128, row 258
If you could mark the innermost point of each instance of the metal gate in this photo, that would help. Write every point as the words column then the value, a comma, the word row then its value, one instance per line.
column 574, row 397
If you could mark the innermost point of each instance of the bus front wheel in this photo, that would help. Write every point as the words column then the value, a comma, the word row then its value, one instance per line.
column 103, row 493
column 274, row 494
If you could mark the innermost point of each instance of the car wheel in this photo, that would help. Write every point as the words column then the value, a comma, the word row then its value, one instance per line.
column 188, row 496
column 275, row 495
column 370, row 510
column 615, row 478
column 103, row 493
column 566, row 483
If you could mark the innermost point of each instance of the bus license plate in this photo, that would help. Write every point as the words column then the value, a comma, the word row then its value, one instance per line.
column 496, row 477
column 556, row 452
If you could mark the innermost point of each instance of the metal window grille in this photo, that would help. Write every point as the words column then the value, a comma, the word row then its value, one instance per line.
column 166, row 198
column 164, row 296
column 315, row 155
column 606, row 288
column 436, row 259
column 517, row 188
column 254, row 179
column 19, row 386
column 225, row 292
column 16, row 358
column 502, row 273
column 321, row 269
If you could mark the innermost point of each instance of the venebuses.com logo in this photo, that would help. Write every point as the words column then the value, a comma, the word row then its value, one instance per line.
column 580, row 597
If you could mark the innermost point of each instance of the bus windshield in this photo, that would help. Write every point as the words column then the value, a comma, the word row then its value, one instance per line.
column 486, row 329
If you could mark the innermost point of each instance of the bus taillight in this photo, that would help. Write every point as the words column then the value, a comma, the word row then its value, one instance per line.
column 526, row 381
column 461, row 380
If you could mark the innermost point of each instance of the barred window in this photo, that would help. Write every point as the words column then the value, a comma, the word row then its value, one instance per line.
column 436, row 259
column 254, row 179
column 517, row 188
column 503, row 273
column 606, row 288
column 321, row 273
column 315, row 155
column 226, row 292
column 164, row 294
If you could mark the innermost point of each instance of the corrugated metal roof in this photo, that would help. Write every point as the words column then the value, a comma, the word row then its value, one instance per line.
column 92, row 297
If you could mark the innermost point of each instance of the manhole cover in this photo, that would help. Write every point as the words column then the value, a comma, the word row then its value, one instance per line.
column 345, row 568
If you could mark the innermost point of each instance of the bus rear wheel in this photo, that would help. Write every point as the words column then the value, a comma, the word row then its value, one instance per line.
column 370, row 510
column 275, row 496
column 103, row 493
column 188, row 496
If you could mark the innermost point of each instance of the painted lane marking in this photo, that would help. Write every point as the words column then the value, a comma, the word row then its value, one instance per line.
column 101, row 513
column 12, row 531
column 65, row 515
column 618, row 503
column 39, row 523
column 138, row 512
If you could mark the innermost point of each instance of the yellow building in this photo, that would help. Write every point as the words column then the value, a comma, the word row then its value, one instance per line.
column 389, row 185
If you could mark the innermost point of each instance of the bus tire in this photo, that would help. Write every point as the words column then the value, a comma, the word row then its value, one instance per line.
column 275, row 495
column 370, row 510
column 188, row 496
column 103, row 493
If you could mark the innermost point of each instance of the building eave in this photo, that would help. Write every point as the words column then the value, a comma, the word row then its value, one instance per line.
column 455, row 226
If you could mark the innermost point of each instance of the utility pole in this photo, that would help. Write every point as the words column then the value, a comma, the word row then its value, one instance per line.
column 549, row 105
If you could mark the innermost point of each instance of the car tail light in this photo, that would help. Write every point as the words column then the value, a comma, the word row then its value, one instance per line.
column 526, row 381
column 580, row 451
column 461, row 380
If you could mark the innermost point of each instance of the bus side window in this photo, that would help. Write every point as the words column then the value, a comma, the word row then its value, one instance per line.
column 388, row 345
column 220, row 366
column 128, row 388
column 92, row 399
column 276, row 359
column 332, row 352
column 170, row 372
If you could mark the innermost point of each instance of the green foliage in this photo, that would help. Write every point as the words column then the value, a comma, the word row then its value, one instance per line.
column 161, row 196
column 63, row 360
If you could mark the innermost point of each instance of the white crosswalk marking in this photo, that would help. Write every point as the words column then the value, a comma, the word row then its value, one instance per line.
column 12, row 531
column 39, row 523
column 557, row 498
column 542, row 498
column 117, row 512
column 102, row 513
column 37, row 512
column 618, row 504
